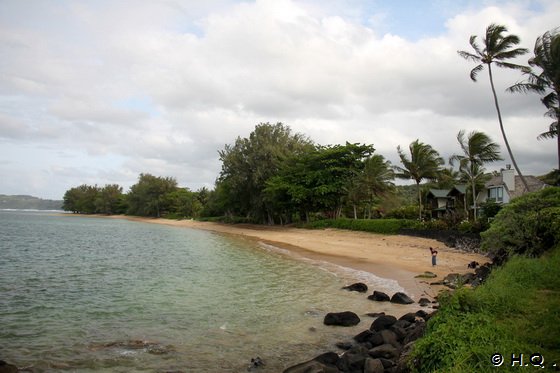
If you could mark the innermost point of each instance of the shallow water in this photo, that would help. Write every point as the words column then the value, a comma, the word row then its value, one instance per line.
column 90, row 294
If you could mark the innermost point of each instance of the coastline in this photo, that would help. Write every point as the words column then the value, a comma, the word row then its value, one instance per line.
column 394, row 257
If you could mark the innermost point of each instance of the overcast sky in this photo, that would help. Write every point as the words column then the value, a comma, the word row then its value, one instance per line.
column 98, row 92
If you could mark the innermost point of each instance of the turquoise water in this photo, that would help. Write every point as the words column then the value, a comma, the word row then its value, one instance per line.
column 91, row 294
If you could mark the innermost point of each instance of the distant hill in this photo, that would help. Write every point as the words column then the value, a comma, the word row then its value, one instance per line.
column 28, row 202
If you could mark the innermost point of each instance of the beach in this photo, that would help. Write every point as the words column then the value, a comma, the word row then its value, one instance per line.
column 395, row 257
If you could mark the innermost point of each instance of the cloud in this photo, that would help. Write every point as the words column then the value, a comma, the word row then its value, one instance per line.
column 160, row 87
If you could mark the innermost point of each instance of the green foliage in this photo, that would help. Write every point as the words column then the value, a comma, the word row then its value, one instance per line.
column 527, row 225
column 28, row 202
column 148, row 196
column 381, row 226
column 406, row 212
column 490, row 209
column 515, row 311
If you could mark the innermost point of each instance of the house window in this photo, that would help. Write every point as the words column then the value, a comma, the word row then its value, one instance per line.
column 496, row 194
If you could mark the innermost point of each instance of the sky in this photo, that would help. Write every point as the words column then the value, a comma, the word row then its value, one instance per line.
column 97, row 92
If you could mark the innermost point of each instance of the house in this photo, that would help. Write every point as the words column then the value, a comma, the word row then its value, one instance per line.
column 442, row 201
column 503, row 187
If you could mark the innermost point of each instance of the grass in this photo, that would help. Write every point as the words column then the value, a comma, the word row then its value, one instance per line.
column 517, row 311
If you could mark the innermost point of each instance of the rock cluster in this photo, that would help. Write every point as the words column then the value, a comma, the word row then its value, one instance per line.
column 384, row 347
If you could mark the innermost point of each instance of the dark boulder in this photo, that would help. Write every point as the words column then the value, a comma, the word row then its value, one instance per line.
column 379, row 296
column 423, row 302
column 375, row 314
column 385, row 351
column 325, row 363
column 7, row 368
column 453, row 280
column 346, row 318
column 423, row 314
column 383, row 322
column 410, row 317
column 353, row 360
column 371, row 337
column 373, row 366
column 401, row 298
column 358, row 286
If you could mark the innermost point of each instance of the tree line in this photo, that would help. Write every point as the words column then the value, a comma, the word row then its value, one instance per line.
column 277, row 176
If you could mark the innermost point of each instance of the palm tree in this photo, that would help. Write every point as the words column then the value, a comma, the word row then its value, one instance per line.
column 425, row 163
column 547, row 83
column 497, row 49
column 478, row 149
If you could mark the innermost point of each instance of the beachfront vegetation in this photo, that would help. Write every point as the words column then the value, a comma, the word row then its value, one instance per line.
column 424, row 163
column 516, row 310
column 477, row 149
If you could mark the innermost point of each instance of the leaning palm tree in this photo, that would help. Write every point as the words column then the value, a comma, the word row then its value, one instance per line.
column 547, row 83
column 478, row 149
column 497, row 49
column 424, row 163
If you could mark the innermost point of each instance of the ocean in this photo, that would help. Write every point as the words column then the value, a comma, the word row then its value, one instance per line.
column 89, row 294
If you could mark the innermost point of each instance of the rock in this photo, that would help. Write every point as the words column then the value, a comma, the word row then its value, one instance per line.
column 473, row 264
column 7, row 368
column 389, row 337
column 383, row 322
column 344, row 345
column 255, row 364
column 358, row 286
column 379, row 296
column 426, row 274
column 373, row 366
column 423, row 302
column 453, row 280
column 375, row 314
column 368, row 336
column 325, row 363
column 346, row 318
column 423, row 314
column 410, row 317
column 353, row 359
column 401, row 298
column 415, row 332
column 385, row 351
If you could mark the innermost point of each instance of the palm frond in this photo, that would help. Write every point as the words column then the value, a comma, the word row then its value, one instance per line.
column 469, row 56
column 474, row 45
column 551, row 133
column 475, row 71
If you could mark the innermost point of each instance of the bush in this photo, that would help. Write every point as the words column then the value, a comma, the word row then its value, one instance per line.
column 407, row 212
column 528, row 225
column 472, row 325
column 382, row 226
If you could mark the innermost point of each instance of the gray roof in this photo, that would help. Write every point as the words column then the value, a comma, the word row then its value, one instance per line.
column 533, row 183
column 439, row 193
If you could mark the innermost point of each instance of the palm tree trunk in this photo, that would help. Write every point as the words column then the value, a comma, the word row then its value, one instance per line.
column 419, row 200
column 502, row 129
column 474, row 199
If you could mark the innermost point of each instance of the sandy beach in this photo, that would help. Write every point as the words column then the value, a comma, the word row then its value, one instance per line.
column 396, row 257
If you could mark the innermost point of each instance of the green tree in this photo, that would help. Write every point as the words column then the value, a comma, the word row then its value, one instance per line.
column 110, row 200
column 497, row 50
column 547, row 82
column 81, row 199
column 424, row 163
column 250, row 162
column 478, row 149
column 147, row 196
column 375, row 180
column 318, row 180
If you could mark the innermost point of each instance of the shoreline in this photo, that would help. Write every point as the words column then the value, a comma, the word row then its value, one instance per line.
column 394, row 257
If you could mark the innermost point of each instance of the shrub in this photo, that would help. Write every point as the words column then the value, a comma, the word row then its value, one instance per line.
column 382, row 226
column 407, row 212
column 528, row 225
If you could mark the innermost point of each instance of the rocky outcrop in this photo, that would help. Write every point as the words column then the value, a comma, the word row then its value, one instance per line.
column 385, row 347
column 7, row 368
column 346, row 318
column 401, row 298
column 360, row 287
column 379, row 296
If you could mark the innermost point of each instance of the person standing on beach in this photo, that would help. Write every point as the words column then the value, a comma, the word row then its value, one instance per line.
column 434, row 256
